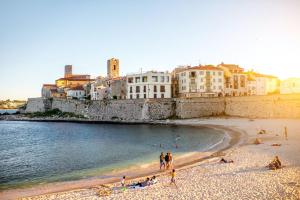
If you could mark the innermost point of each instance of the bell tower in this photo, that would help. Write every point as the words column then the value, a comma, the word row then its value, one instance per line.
column 113, row 68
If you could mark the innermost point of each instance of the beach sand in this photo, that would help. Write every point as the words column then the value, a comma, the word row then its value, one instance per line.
column 246, row 178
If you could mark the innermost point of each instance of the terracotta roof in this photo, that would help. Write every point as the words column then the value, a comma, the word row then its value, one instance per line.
column 75, row 79
column 263, row 75
column 205, row 67
column 230, row 66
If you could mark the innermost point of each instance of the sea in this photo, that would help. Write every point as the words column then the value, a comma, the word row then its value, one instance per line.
column 10, row 111
column 44, row 152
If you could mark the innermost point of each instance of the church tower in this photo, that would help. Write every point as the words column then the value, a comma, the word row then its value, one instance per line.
column 113, row 68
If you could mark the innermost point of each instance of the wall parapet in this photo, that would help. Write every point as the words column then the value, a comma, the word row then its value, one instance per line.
column 273, row 106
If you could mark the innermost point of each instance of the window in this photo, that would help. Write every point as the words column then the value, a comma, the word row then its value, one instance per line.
column 162, row 79
column 220, row 73
column 162, row 96
column 130, row 89
column 137, row 79
column 167, row 79
column 220, row 80
column 145, row 96
column 144, row 88
column 155, row 88
column 192, row 74
column 154, row 79
column 130, row 80
column 137, row 96
column 201, row 72
column 162, row 88
column 155, row 96
column 137, row 89
column 131, row 96
column 220, row 87
column 144, row 79
column 214, row 73
column 214, row 80
column 114, row 67
column 201, row 80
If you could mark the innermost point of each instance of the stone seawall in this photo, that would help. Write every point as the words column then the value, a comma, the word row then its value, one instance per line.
column 274, row 106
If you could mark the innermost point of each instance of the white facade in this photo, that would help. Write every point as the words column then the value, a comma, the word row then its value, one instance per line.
column 76, row 93
column 262, row 85
column 201, row 81
column 290, row 86
column 149, row 85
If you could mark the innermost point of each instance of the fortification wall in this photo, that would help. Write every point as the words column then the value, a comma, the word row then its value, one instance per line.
column 274, row 106
column 199, row 107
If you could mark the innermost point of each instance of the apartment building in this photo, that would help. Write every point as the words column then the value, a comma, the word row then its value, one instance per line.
column 150, row 84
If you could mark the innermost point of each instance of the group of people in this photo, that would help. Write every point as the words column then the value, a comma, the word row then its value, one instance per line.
column 147, row 182
column 165, row 161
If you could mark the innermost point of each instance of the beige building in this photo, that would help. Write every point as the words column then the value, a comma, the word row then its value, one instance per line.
column 113, row 69
column 290, row 86
column 150, row 84
column 200, row 81
column 261, row 84
column 235, row 80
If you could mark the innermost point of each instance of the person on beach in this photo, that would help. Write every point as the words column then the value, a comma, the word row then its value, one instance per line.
column 275, row 164
column 153, row 180
column 171, row 160
column 162, row 161
column 123, row 181
column 173, row 174
column 285, row 133
column 167, row 160
column 226, row 161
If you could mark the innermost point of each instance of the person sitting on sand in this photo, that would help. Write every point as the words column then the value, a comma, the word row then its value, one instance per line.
column 226, row 161
column 153, row 180
column 275, row 164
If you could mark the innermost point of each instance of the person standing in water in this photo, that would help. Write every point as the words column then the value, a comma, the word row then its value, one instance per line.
column 285, row 133
column 161, row 161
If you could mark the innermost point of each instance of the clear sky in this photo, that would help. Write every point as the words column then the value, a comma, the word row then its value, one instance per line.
column 39, row 37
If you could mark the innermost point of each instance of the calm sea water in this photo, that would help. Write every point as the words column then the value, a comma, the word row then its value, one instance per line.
column 10, row 111
column 40, row 152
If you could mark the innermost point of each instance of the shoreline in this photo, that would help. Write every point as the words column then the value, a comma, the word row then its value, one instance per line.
column 231, row 138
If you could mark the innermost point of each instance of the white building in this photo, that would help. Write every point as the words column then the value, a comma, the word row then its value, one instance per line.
column 290, row 86
column 260, row 84
column 200, row 81
column 149, row 85
column 76, row 93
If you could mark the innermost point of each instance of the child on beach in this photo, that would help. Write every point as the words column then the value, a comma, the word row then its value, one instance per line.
column 173, row 174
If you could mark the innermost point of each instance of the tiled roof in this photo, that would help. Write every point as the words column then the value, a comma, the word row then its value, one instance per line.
column 206, row 67
column 75, row 79
column 49, row 85
column 79, row 87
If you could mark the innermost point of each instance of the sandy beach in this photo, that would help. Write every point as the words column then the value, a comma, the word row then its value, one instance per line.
column 246, row 178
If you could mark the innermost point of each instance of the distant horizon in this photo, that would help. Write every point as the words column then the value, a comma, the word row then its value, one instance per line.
column 41, row 37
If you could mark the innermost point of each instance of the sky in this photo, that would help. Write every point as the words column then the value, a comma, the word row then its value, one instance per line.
column 39, row 37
